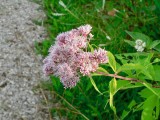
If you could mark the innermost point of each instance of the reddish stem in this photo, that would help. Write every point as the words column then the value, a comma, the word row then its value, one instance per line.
column 124, row 78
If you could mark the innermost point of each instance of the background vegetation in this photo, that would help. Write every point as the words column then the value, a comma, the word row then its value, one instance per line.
column 110, row 19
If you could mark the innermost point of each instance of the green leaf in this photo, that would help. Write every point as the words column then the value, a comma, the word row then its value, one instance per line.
column 131, row 43
column 126, row 112
column 137, row 35
column 145, row 93
column 112, row 61
column 155, row 91
column 94, row 85
column 112, row 90
column 157, row 72
column 147, row 68
column 157, row 109
column 100, row 69
column 147, row 73
column 96, row 74
column 148, row 59
column 154, row 44
column 90, row 46
column 148, row 106
column 122, row 58
column 151, row 71
column 123, row 84
column 156, row 60
column 157, row 48
column 138, row 107
column 130, row 66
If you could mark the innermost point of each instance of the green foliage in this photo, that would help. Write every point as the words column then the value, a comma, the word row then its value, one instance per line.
column 137, row 35
column 112, row 91
column 112, row 61
column 116, row 27
column 150, row 44
column 94, row 84
column 154, row 44
column 90, row 98
column 82, row 99
column 137, row 16
column 42, row 47
column 147, row 113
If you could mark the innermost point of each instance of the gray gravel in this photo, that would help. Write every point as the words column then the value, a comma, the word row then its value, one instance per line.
column 20, row 68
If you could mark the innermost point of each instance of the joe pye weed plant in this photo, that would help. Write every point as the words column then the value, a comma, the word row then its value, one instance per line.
column 72, row 57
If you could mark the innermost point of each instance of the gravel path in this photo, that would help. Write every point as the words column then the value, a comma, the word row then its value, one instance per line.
column 20, row 69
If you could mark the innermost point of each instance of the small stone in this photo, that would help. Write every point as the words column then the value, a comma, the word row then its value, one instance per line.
column 3, row 84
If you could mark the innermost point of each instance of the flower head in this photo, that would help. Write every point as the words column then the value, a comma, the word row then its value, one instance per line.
column 140, row 45
column 66, row 58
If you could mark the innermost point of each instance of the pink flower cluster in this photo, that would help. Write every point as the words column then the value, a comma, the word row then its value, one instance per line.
column 67, row 57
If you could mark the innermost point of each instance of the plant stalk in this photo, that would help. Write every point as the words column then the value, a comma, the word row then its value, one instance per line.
column 125, row 78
